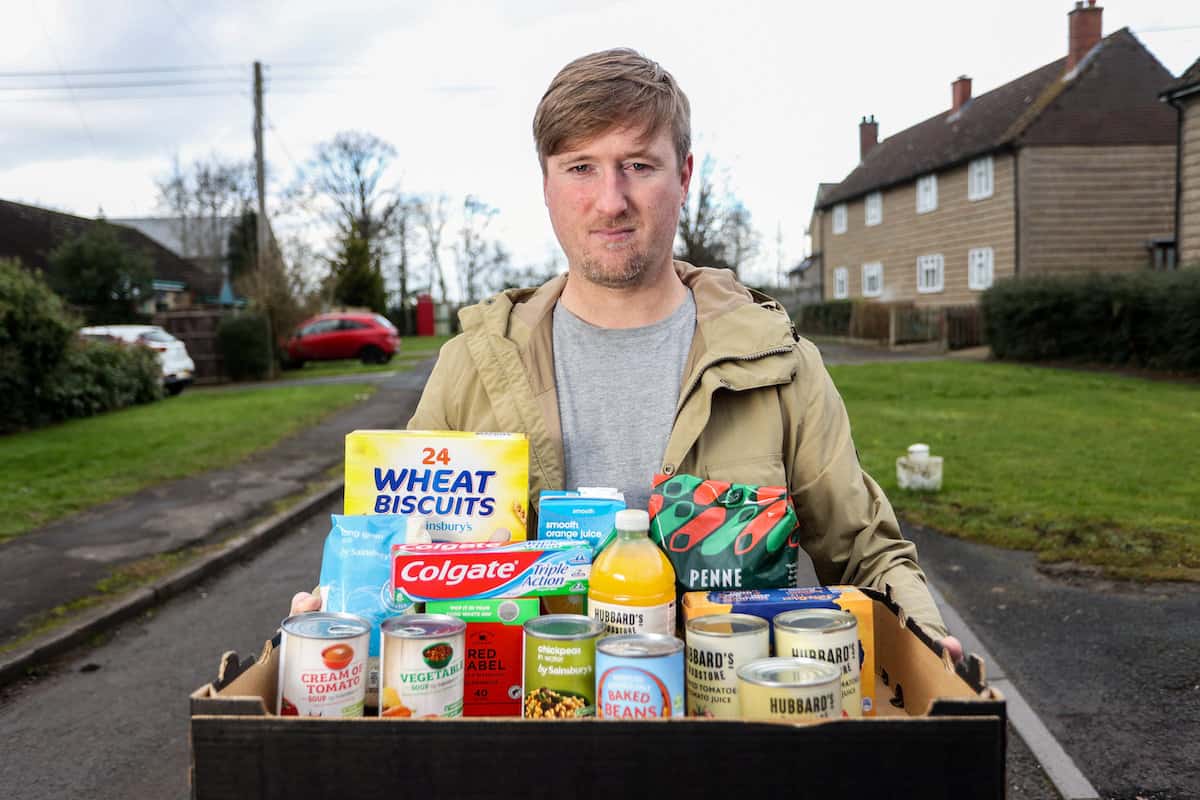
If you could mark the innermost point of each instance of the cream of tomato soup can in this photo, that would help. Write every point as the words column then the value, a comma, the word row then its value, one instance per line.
column 421, row 666
column 825, row 634
column 717, row 644
column 323, row 665
column 790, row 688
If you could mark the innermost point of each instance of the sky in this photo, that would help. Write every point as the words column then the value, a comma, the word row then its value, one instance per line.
column 776, row 88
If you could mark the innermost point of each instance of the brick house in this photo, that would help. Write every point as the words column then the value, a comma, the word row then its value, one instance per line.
column 1184, row 96
column 1069, row 168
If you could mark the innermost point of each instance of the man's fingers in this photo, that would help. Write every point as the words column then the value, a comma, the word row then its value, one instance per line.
column 304, row 602
column 954, row 647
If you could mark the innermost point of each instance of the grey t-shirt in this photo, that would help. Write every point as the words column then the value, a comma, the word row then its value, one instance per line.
column 617, row 392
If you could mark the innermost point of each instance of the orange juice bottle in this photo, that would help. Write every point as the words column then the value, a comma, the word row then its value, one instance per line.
column 632, row 585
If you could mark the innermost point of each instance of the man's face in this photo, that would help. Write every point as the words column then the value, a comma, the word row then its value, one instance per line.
column 614, row 203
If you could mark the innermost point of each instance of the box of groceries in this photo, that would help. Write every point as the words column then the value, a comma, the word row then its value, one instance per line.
column 602, row 714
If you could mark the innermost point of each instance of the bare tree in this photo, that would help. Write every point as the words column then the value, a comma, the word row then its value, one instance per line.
column 403, row 234
column 202, row 198
column 476, row 255
column 344, row 184
column 715, row 228
column 431, row 215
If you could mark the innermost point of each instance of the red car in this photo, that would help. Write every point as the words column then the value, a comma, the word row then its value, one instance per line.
column 368, row 337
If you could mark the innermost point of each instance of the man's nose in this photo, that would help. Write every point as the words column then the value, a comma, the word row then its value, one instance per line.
column 613, row 199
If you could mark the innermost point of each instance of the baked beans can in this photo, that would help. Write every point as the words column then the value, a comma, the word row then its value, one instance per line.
column 421, row 666
column 790, row 688
column 323, row 665
column 560, row 666
column 717, row 644
column 639, row 676
column 825, row 634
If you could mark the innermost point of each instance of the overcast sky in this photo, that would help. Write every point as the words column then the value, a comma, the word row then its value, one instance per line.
column 777, row 89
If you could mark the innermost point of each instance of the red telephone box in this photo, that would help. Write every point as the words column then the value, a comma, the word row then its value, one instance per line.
column 424, row 315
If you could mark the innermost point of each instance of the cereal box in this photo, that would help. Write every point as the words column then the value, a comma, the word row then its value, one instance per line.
column 766, row 603
column 468, row 487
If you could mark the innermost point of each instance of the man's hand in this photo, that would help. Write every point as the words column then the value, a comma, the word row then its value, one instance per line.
column 950, row 643
column 303, row 602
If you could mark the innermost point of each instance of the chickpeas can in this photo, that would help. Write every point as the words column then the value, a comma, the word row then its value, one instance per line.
column 790, row 688
column 827, row 635
column 323, row 665
column 717, row 644
column 421, row 666
column 639, row 676
column 560, row 666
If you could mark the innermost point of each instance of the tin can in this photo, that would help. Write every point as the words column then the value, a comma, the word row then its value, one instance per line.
column 825, row 634
column 421, row 667
column 717, row 644
column 560, row 666
column 790, row 688
column 639, row 676
column 323, row 665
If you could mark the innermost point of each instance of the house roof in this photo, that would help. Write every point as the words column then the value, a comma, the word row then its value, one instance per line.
column 30, row 233
column 1110, row 98
column 1186, row 83
column 169, row 232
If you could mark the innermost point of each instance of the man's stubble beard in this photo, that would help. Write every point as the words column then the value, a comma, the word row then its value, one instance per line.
column 630, row 272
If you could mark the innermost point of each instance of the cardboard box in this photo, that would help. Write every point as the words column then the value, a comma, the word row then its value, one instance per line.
column 469, row 487
column 938, row 734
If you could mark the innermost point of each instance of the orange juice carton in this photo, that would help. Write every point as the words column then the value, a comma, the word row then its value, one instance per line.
column 466, row 487
column 423, row 573
column 589, row 514
column 768, row 603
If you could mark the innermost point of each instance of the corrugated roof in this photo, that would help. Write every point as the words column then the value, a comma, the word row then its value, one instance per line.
column 1110, row 99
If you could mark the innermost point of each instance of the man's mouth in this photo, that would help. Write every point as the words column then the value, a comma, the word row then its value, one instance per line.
column 613, row 235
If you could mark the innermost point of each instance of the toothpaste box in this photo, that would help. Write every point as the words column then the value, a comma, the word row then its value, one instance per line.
column 587, row 515
column 495, row 648
column 766, row 603
column 468, row 487
column 464, row 570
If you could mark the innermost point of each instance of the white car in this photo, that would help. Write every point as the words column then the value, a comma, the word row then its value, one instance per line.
column 177, row 366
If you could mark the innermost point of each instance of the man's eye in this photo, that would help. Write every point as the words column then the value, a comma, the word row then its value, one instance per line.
column 579, row 169
column 638, row 166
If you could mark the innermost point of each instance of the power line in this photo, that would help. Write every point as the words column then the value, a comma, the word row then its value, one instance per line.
column 122, row 85
column 1164, row 28
column 54, row 54
column 117, row 71
column 103, row 98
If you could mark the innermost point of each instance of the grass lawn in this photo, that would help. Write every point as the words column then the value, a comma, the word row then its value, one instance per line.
column 412, row 350
column 52, row 472
column 1092, row 468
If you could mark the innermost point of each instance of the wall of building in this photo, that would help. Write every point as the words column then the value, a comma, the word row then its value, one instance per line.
column 955, row 227
column 1189, row 185
column 1092, row 209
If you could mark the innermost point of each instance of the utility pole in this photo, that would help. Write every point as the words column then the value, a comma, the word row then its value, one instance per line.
column 260, row 224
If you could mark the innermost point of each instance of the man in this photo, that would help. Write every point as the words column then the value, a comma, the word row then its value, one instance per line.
column 633, row 364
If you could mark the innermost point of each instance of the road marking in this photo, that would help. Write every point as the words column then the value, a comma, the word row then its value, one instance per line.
column 1060, row 767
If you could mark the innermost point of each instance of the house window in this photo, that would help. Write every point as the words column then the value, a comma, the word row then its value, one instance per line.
column 872, row 277
column 839, row 218
column 929, row 273
column 979, row 178
column 874, row 208
column 841, row 283
column 926, row 194
column 979, row 268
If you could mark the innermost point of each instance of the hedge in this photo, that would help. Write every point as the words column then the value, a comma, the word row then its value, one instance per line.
column 1147, row 319
column 245, row 346
column 94, row 377
column 830, row 318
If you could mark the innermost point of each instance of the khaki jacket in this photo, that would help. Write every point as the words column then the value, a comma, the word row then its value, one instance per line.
column 756, row 406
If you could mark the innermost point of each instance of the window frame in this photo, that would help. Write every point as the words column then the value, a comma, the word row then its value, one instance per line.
column 929, row 194
column 934, row 259
column 841, row 219
column 973, row 284
column 842, row 275
column 867, row 269
column 874, row 199
column 976, row 189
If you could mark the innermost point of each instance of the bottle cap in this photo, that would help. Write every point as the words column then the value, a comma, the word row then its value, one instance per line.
column 633, row 519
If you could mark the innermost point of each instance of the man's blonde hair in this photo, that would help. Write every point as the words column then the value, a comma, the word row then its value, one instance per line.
column 606, row 90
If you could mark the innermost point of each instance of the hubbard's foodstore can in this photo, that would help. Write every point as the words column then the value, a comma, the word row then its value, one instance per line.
column 560, row 666
column 827, row 635
column 790, row 688
column 639, row 676
column 323, row 665
column 717, row 644
column 421, row 669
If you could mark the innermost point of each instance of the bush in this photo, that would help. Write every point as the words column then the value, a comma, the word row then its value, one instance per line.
column 244, row 345
column 1141, row 319
column 95, row 377
column 831, row 318
column 35, row 329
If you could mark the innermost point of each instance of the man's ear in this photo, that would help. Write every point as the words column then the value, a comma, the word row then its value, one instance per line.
column 685, row 176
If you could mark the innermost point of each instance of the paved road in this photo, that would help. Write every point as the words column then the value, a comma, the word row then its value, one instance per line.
column 1113, row 668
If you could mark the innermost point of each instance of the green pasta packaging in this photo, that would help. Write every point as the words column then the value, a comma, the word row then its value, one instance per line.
column 721, row 535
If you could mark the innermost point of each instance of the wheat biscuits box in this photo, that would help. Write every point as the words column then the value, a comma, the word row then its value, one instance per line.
column 467, row 487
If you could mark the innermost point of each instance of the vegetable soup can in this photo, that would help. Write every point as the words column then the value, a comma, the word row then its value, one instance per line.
column 790, row 688
column 717, row 644
column 323, row 665
column 421, row 666
column 560, row 666
column 825, row 634
column 639, row 676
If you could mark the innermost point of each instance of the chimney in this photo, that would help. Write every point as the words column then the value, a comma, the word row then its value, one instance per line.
column 1085, row 31
column 868, row 136
column 960, row 92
